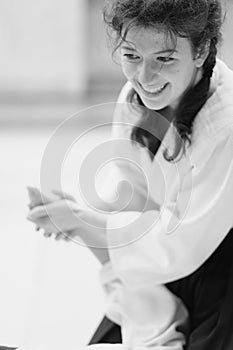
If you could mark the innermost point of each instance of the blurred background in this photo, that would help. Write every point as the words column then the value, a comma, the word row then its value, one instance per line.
column 54, row 62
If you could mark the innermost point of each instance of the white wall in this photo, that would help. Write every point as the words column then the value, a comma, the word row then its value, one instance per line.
column 51, row 46
column 42, row 45
column 227, row 48
column 50, row 292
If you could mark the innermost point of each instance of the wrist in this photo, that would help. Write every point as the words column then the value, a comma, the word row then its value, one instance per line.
column 93, row 227
column 94, row 218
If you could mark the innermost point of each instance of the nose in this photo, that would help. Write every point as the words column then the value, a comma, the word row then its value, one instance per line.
column 148, row 72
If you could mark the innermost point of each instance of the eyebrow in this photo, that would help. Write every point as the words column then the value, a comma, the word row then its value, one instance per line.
column 158, row 52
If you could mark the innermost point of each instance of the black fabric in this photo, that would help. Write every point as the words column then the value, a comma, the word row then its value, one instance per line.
column 208, row 295
column 107, row 332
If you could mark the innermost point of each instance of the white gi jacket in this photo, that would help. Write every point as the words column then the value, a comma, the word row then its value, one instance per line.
column 149, row 248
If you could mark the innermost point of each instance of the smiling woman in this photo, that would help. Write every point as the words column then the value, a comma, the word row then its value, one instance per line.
column 167, row 267
column 192, row 33
column 168, row 56
column 158, row 72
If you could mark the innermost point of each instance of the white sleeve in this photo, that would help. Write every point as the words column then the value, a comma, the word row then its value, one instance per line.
column 125, row 185
column 111, row 286
column 151, row 317
column 143, row 248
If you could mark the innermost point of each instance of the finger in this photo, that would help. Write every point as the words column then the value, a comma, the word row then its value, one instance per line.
column 64, row 195
column 47, row 225
column 37, row 228
column 36, row 197
column 30, row 206
column 47, row 234
column 46, row 210
column 37, row 212
column 46, row 199
column 33, row 192
column 29, row 218
column 70, row 235
column 31, row 188
column 67, row 236
column 58, row 236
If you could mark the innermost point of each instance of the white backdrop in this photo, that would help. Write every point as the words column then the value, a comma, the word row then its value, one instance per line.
column 43, row 45
column 50, row 292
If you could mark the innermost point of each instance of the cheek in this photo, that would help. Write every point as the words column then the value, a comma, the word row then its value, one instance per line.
column 128, row 70
column 181, row 79
column 178, row 77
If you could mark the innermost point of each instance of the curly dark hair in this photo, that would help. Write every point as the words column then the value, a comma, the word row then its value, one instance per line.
column 197, row 20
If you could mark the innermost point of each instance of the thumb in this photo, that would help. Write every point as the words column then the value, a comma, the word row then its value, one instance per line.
column 64, row 195
column 36, row 197
column 37, row 213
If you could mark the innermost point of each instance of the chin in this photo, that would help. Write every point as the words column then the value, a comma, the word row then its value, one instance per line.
column 154, row 105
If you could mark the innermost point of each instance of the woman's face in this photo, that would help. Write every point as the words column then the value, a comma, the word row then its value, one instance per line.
column 159, row 73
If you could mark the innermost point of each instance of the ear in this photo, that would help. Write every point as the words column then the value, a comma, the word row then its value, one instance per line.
column 202, row 55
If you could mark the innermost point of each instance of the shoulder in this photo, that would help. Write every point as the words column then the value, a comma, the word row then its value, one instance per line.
column 215, row 119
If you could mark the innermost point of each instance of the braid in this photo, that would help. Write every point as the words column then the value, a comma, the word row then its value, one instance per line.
column 191, row 104
column 145, row 132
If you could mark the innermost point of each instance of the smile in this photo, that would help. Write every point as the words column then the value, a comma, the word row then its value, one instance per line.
column 154, row 91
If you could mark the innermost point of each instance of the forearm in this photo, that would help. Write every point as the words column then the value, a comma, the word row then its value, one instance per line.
column 136, row 203
column 101, row 254
column 94, row 236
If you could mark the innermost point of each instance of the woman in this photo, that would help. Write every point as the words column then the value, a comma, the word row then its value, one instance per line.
column 179, row 94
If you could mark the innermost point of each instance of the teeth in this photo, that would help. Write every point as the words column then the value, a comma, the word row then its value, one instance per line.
column 153, row 90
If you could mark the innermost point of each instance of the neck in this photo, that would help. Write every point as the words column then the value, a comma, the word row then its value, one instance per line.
column 167, row 113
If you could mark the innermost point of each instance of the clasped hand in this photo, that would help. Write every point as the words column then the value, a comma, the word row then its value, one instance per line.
column 65, row 218
column 61, row 216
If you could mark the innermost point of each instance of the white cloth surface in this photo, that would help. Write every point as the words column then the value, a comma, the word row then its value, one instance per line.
column 149, row 317
column 89, row 347
column 113, row 347
column 151, row 247
column 195, row 201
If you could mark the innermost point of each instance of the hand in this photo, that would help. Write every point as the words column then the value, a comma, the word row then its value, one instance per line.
column 58, row 216
column 66, row 219
column 37, row 199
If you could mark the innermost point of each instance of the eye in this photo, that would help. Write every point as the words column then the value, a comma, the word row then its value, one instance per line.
column 130, row 56
column 165, row 59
